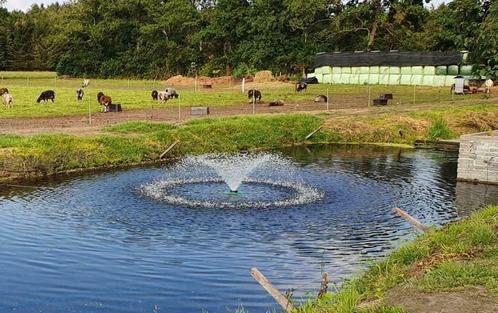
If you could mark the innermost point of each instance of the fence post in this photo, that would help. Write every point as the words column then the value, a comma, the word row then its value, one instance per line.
column 369, row 95
column 327, row 98
column 414, row 93
column 179, row 110
column 253, row 103
column 89, row 112
column 243, row 85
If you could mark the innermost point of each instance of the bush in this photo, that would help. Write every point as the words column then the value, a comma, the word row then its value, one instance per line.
column 243, row 70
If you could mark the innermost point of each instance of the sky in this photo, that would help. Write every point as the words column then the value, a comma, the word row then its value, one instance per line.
column 24, row 5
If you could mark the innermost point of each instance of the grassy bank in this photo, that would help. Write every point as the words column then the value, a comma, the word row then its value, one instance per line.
column 135, row 142
column 460, row 259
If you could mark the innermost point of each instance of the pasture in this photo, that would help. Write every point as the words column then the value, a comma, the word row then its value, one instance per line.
column 135, row 95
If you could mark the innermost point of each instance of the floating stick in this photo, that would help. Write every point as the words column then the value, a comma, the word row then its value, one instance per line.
column 265, row 283
column 410, row 219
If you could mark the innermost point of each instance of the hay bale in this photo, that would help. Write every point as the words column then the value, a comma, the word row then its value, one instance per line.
column 263, row 77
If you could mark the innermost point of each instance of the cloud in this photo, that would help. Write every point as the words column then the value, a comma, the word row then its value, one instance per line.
column 24, row 5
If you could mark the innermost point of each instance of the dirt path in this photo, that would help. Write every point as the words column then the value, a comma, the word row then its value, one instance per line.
column 79, row 125
column 469, row 300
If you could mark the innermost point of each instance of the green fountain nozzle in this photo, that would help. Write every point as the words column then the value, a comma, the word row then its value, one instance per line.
column 234, row 191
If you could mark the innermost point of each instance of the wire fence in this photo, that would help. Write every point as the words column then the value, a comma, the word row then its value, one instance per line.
column 222, row 99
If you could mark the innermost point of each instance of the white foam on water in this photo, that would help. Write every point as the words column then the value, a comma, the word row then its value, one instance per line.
column 266, row 169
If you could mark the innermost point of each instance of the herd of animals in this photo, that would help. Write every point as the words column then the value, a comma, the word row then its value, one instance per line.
column 105, row 101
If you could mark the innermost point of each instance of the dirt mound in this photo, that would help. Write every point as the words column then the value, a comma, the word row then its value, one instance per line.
column 263, row 77
column 180, row 80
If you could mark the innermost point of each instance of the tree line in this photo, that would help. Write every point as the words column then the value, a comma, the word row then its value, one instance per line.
column 158, row 38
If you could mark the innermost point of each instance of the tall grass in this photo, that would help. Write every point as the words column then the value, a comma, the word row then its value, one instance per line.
column 439, row 129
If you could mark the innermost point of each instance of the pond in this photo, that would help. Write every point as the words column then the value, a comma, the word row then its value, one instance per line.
column 99, row 243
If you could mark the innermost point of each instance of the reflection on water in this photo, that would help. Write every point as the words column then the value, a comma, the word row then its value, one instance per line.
column 94, row 244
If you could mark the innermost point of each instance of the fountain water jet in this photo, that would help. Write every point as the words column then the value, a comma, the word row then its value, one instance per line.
column 268, row 180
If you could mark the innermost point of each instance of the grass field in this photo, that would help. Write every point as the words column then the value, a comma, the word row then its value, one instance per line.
column 135, row 95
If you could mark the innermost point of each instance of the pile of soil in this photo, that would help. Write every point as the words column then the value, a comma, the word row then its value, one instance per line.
column 263, row 77
column 180, row 80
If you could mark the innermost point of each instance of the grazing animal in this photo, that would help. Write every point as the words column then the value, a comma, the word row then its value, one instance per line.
column 154, row 95
column 320, row 98
column 79, row 94
column 171, row 93
column 46, row 95
column 8, row 100
column 488, row 85
column 276, row 103
column 104, row 100
column 300, row 86
column 162, row 96
column 254, row 93
column 3, row 90
column 86, row 83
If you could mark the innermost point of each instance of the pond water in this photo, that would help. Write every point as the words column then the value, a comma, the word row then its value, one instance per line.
column 97, row 243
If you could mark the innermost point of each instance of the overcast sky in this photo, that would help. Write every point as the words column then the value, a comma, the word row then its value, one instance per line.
column 26, row 4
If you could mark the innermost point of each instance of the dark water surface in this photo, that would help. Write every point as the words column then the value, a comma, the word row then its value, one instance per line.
column 93, row 243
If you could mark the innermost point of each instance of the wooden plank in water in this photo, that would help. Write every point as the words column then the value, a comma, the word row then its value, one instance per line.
column 265, row 283
column 410, row 219
column 169, row 149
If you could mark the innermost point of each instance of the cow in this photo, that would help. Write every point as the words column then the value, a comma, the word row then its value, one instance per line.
column 3, row 90
column 254, row 94
column 8, row 100
column 86, row 83
column 276, row 103
column 154, row 95
column 79, row 94
column 46, row 95
column 300, row 86
column 171, row 93
column 320, row 98
column 162, row 96
column 104, row 100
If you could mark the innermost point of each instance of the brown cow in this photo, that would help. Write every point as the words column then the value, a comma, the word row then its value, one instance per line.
column 104, row 100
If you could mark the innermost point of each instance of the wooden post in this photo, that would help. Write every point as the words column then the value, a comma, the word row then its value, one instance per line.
column 265, row 283
column 410, row 219
column 327, row 98
column 369, row 96
column 169, row 149
column 253, row 103
column 313, row 132
column 179, row 110
column 89, row 112
column 243, row 85
column 414, row 93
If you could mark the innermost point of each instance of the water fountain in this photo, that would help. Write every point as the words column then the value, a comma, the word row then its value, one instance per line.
column 233, row 181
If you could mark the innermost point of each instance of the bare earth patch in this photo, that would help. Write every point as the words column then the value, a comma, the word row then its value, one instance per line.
column 470, row 300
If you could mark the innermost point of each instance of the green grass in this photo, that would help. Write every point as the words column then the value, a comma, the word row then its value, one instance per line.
column 439, row 129
column 141, row 141
column 454, row 257
column 137, row 141
column 135, row 94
